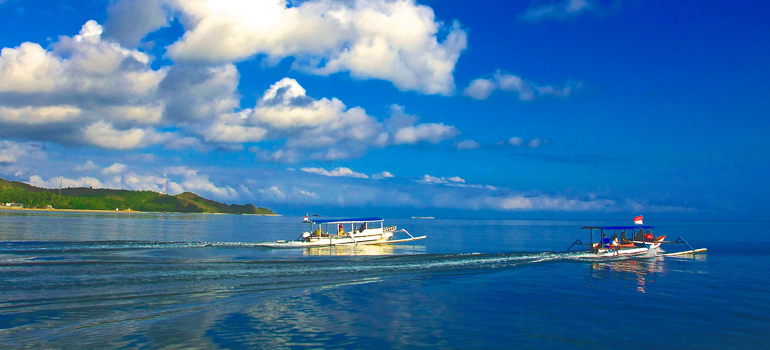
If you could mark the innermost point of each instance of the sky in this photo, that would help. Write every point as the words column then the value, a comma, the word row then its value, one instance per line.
column 471, row 109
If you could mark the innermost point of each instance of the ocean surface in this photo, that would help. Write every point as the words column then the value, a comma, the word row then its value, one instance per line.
column 116, row 280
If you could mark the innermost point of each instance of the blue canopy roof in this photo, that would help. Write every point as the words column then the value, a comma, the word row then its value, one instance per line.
column 619, row 227
column 345, row 220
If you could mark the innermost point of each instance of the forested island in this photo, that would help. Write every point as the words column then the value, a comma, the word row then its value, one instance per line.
column 81, row 198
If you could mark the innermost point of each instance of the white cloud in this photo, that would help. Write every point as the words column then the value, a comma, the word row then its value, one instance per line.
column 114, row 169
column 88, row 166
column 341, row 171
column 200, row 184
column 55, row 182
column 234, row 133
column 562, row 9
column 428, row 132
column 432, row 180
column 14, row 152
column 128, row 21
column 465, row 145
column 38, row 115
column 325, row 128
column 393, row 40
column 104, row 135
column 482, row 88
column 515, row 141
column 382, row 175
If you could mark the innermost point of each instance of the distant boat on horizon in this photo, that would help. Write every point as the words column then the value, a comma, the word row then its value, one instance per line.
column 423, row 217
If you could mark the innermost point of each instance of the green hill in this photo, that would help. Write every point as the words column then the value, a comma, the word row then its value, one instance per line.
column 106, row 199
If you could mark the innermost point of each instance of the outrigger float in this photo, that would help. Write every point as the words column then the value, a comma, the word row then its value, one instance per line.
column 640, row 243
column 349, row 231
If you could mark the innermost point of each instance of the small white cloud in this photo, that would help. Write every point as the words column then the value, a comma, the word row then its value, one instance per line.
column 481, row 89
column 534, row 143
column 344, row 172
column 562, row 9
column 515, row 141
column 427, row 132
column 382, row 175
column 456, row 179
column 467, row 145
column 114, row 169
column 89, row 166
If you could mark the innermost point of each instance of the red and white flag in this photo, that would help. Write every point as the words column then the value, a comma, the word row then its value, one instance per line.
column 306, row 219
column 638, row 220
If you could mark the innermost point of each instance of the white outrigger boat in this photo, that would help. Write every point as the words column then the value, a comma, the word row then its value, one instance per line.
column 349, row 231
column 640, row 243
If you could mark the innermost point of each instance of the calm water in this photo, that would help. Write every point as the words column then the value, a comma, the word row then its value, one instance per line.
column 198, row 281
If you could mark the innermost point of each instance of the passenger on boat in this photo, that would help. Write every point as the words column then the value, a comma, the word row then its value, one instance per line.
column 341, row 231
column 639, row 236
column 648, row 236
column 614, row 240
column 623, row 239
column 318, row 232
column 362, row 228
column 605, row 241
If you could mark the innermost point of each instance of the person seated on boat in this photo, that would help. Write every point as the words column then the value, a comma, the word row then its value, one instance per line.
column 648, row 236
column 605, row 241
column 614, row 242
column 341, row 231
column 318, row 232
column 362, row 228
column 639, row 236
column 623, row 239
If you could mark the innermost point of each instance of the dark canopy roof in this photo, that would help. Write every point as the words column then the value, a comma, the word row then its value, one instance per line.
column 344, row 220
column 619, row 227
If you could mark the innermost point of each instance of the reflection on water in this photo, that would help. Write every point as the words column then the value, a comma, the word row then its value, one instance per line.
column 364, row 250
column 640, row 270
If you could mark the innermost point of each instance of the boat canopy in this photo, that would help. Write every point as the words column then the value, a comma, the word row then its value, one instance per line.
column 345, row 220
column 617, row 227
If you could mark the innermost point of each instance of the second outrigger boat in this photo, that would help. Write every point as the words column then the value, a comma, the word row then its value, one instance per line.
column 347, row 231
column 638, row 243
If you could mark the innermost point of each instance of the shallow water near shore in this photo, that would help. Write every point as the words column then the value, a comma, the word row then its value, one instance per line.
column 200, row 281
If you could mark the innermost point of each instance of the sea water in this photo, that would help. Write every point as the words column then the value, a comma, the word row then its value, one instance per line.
column 116, row 280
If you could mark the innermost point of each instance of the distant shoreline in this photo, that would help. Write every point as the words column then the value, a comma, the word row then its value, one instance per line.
column 120, row 211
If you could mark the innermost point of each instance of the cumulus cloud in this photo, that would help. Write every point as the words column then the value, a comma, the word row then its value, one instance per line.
column 428, row 132
column 341, row 171
column 428, row 179
column 394, row 40
column 515, row 141
column 14, row 152
column 382, row 175
column 482, row 88
column 128, row 21
column 114, row 169
column 560, row 9
column 193, row 181
column 55, row 182
column 323, row 128
column 519, row 142
column 90, row 90
column 88, row 166
column 86, row 89
column 465, row 145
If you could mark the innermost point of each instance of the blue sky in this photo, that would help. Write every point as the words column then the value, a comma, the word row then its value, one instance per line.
column 505, row 109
